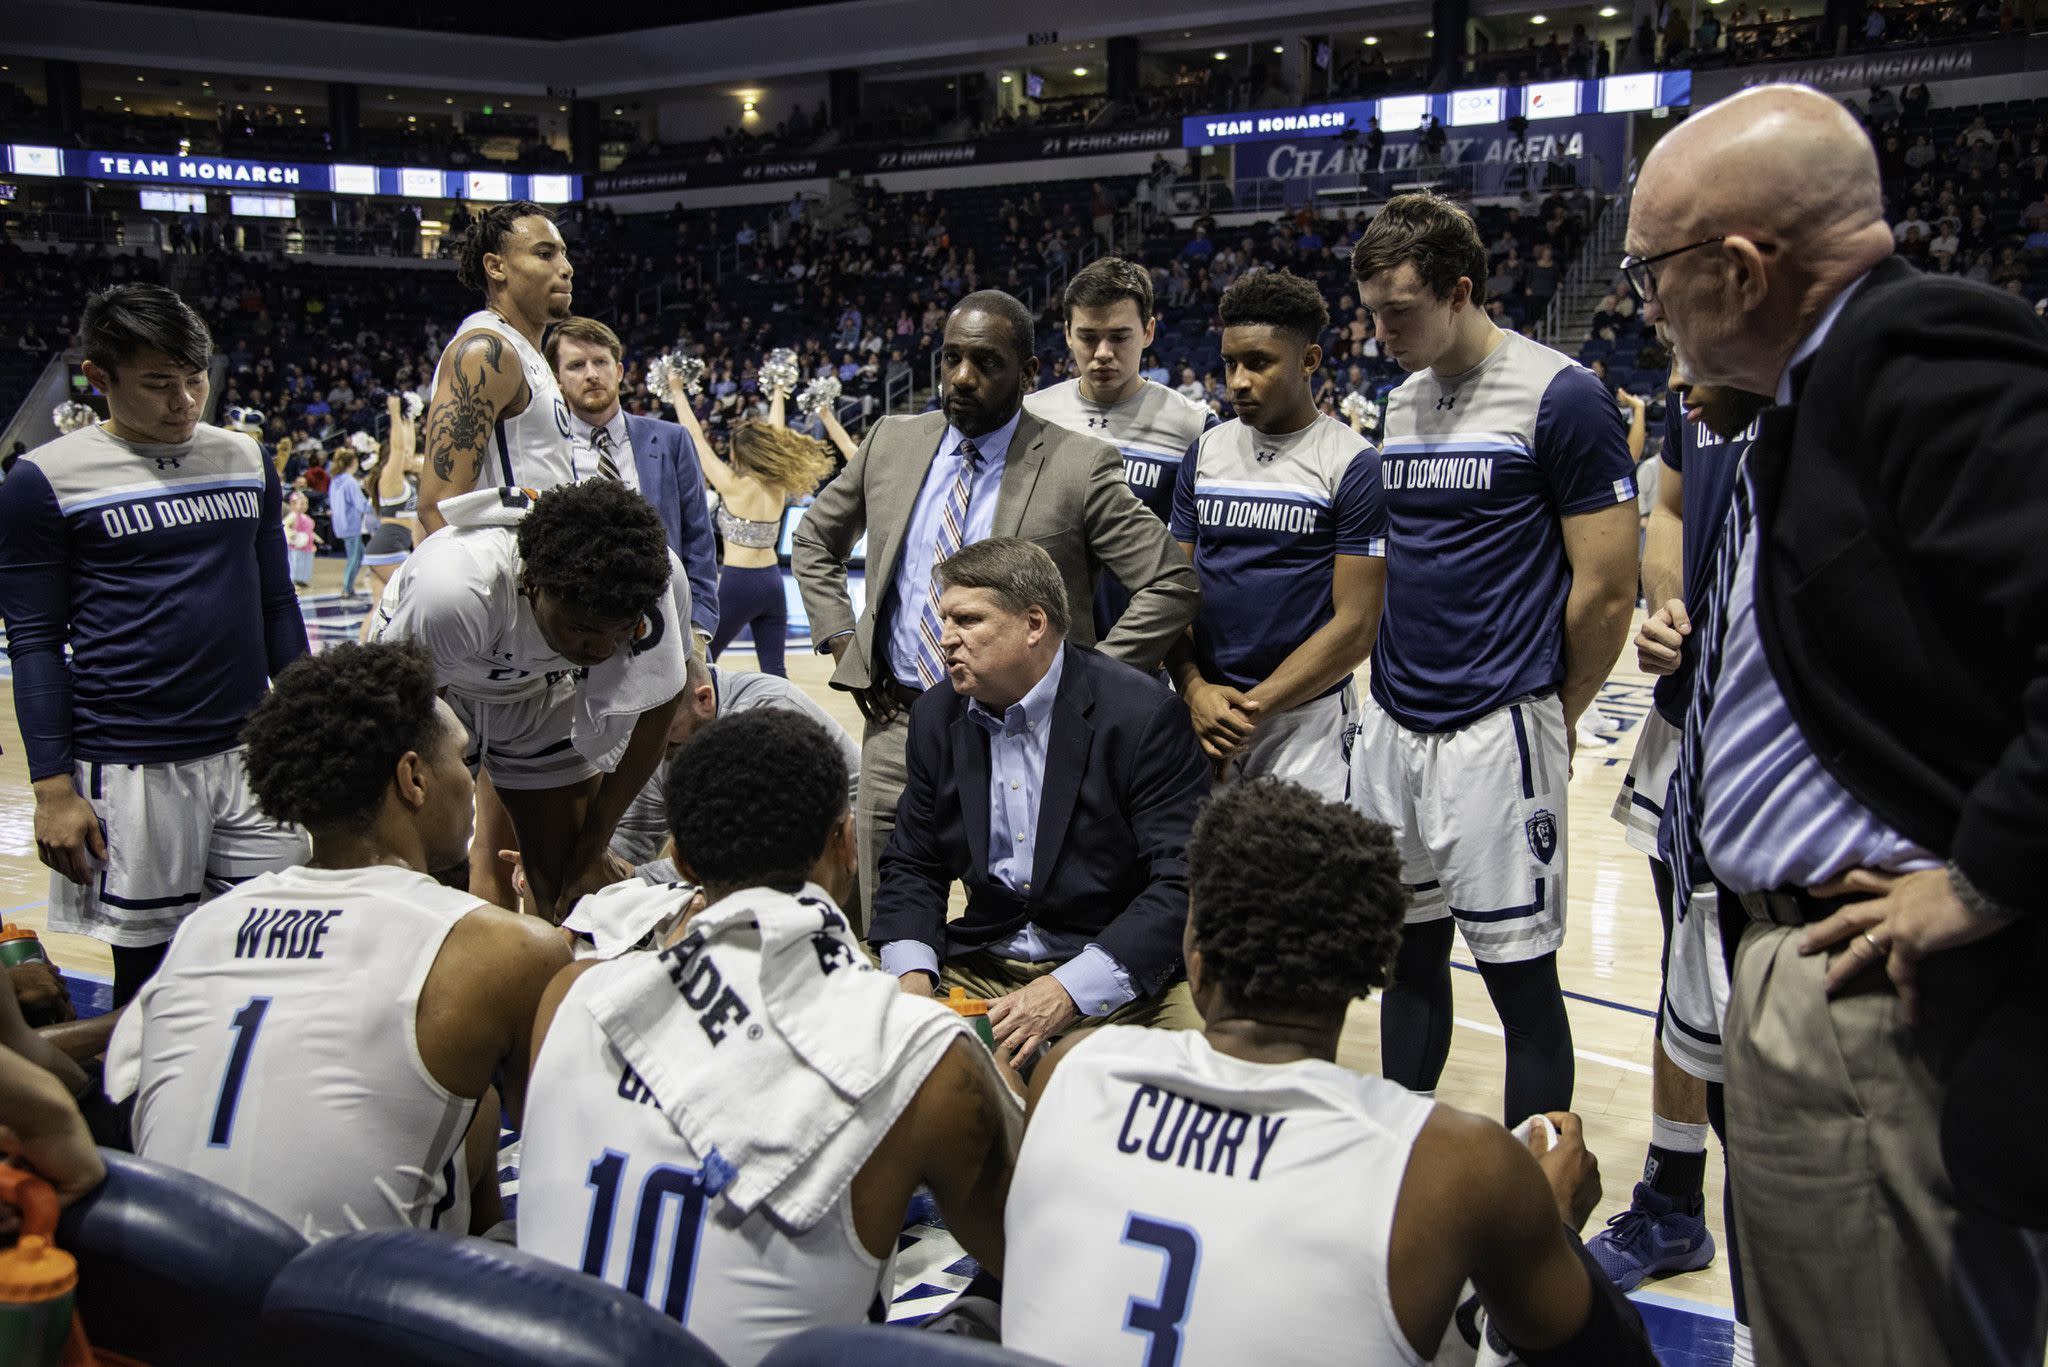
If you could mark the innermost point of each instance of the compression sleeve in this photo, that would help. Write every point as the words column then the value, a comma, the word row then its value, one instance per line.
column 35, row 602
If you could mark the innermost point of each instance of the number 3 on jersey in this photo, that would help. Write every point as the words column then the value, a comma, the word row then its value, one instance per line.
column 662, row 1183
column 1160, row 1319
column 245, row 1023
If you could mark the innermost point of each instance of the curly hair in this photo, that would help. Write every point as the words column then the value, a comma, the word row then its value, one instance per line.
column 324, row 741
column 779, row 458
column 1295, row 902
column 487, row 236
column 753, row 797
column 598, row 547
column 1279, row 299
column 1434, row 233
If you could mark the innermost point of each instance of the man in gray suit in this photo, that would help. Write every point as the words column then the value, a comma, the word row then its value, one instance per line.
column 922, row 487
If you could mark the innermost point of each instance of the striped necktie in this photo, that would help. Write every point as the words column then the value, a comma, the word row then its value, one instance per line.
column 601, row 441
column 931, row 661
column 1678, row 838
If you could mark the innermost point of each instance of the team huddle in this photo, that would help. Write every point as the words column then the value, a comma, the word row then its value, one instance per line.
column 1105, row 663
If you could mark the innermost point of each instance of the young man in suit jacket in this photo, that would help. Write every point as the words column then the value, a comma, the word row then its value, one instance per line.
column 1862, row 763
column 654, row 458
column 921, row 488
column 1060, row 787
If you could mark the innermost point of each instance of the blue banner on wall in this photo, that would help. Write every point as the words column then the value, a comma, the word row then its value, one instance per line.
column 1486, row 104
column 202, row 172
column 1490, row 160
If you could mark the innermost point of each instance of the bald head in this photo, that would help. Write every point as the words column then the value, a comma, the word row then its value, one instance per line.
column 1788, row 181
column 1782, row 163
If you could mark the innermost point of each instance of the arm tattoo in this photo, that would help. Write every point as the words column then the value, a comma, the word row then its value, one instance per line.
column 461, row 424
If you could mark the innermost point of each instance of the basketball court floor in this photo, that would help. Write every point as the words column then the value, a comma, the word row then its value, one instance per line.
column 1609, row 967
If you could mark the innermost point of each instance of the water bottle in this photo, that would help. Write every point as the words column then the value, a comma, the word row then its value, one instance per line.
column 37, row 1279
column 975, row 1010
column 20, row 945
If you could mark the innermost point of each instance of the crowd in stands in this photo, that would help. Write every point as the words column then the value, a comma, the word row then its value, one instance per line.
column 861, row 292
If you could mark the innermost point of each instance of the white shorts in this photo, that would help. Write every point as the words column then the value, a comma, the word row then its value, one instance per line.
column 1479, row 818
column 1695, row 1003
column 524, row 742
column 178, row 834
column 1310, row 745
column 1639, row 806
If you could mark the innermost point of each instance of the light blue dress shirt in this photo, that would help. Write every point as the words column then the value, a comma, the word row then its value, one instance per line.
column 1771, row 816
column 908, row 590
column 1017, row 743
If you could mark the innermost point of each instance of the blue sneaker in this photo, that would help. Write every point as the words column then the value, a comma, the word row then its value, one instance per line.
column 1652, row 1238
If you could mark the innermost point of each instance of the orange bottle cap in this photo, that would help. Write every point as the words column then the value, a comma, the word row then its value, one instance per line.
column 966, row 1005
column 17, row 932
column 34, row 1271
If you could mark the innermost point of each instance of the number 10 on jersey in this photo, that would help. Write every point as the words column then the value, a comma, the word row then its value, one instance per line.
column 664, row 1185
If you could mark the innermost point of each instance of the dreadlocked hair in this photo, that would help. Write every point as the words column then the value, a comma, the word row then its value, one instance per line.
column 487, row 237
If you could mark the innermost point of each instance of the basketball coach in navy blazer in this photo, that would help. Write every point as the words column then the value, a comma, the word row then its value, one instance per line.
column 1060, row 786
column 653, row 457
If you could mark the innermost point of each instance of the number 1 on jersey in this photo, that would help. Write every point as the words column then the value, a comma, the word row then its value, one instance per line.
column 1160, row 1320
column 245, row 1023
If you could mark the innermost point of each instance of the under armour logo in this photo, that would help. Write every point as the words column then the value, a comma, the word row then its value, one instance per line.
column 1445, row 402
column 1098, row 422
column 1266, row 457
column 169, row 462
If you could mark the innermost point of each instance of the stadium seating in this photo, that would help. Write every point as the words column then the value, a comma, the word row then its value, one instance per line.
column 877, row 1346
column 410, row 1298
column 173, row 1269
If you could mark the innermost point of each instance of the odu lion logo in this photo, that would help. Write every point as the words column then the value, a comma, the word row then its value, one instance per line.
column 652, row 629
column 1542, row 830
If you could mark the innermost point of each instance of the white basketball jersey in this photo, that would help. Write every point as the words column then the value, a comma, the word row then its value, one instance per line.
column 1168, row 1198
column 275, row 1052
column 531, row 450
column 606, row 1184
column 458, row 596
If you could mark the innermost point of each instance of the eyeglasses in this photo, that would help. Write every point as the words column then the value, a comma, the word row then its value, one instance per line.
column 1637, row 269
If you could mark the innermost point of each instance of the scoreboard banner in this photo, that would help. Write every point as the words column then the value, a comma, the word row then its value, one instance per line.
column 243, row 173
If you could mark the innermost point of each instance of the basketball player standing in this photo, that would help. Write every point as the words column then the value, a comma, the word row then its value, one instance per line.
column 497, row 417
column 1109, row 326
column 1282, row 513
column 152, row 546
column 1511, row 578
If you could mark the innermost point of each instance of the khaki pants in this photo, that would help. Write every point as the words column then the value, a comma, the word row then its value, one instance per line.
column 989, row 976
column 881, row 786
column 1853, row 1248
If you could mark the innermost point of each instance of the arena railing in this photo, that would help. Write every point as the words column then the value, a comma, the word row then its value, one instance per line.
column 86, row 230
column 1610, row 222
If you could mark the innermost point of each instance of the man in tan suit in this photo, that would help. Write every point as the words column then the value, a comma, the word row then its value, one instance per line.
column 922, row 487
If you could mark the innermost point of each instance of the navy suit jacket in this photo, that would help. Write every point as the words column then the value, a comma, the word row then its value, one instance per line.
column 671, row 480
column 1123, row 776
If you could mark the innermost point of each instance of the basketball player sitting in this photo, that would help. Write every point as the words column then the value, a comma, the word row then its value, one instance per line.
column 1198, row 1188
column 732, row 1128
column 323, row 1039
column 526, row 624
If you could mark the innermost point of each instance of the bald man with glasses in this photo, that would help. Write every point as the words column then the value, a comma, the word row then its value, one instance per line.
column 1864, row 758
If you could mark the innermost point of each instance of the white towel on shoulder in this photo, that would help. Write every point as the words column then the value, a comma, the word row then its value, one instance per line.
column 630, row 915
column 774, row 1047
column 612, row 696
